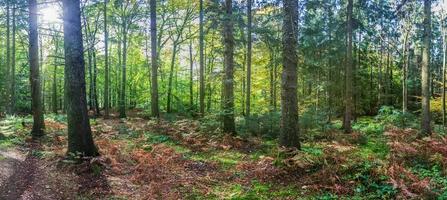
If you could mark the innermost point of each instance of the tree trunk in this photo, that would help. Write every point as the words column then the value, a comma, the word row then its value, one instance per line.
column 228, row 79
column 202, row 64
column 122, row 100
column 54, row 98
column 95, row 87
column 8, row 48
column 80, row 139
column 289, row 136
column 191, row 78
column 106, row 65
column 171, row 75
column 154, row 57
column 13, row 63
column 36, row 92
column 249, row 52
column 406, row 59
column 425, row 70
column 348, row 75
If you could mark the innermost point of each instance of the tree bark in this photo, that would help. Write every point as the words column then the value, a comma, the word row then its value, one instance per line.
column 289, row 136
column 13, row 63
column 348, row 75
column 122, row 100
column 249, row 55
column 154, row 61
column 106, row 65
column 425, row 71
column 36, row 92
column 171, row 75
column 80, row 140
column 202, row 64
column 95, row 87
column 8, row 48
column 191, row 77
column 228, row 79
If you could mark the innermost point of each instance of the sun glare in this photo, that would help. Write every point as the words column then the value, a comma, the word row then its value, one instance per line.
column 51, row 14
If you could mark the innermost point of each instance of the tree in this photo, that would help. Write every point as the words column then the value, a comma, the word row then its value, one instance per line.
column 36, row 92
column 80, row 138
column 106, row 65
column 289, row 136
column 13, row 63
column 154, row 60
column 177, row 38
column 425, row 71
column 348, row 72
column 228, row 79
column 249, row 50
column 201, row 58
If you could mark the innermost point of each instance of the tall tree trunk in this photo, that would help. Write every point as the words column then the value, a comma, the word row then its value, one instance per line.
column 154, row 62
column 36, row 92
column 249, row 52
column 406, row 59
column 54, row 97
column 289, row 136
column 202, row 64
column 106, row 65
column 8, row 48
column 42, row 74
column 425, row 71
column 95, row 87
column 228, row 79
column 348, row 73
column 171, row 75
column 122, row 100
column 80, row 138
column 191, row 78
column 13, row 62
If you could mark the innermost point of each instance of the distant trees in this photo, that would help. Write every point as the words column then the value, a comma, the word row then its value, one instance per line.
column 289, row 101
column 79, row 132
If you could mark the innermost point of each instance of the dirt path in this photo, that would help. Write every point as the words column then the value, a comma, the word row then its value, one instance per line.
column 22, row 175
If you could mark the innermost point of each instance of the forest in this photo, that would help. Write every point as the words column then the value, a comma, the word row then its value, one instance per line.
column 223, row 99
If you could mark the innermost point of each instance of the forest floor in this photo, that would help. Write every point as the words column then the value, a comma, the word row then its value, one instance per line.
column 159, row 159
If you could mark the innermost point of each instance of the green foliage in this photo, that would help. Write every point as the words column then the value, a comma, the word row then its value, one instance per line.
column 436, row 174
column 264, row 125
column 390, row 115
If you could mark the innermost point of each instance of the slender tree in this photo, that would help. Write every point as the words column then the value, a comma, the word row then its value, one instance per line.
column 348, row 72
column 228, row 79
column 36, row 92
column 249, row 52
column 106, row 65
column 8, row 47
column 289, row 136
column 80, row 138
column 425, row 71
column 13, row 62
column 154, row 61
column 202, row 63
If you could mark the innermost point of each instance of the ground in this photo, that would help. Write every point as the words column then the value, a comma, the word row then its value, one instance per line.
column 159, row 159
